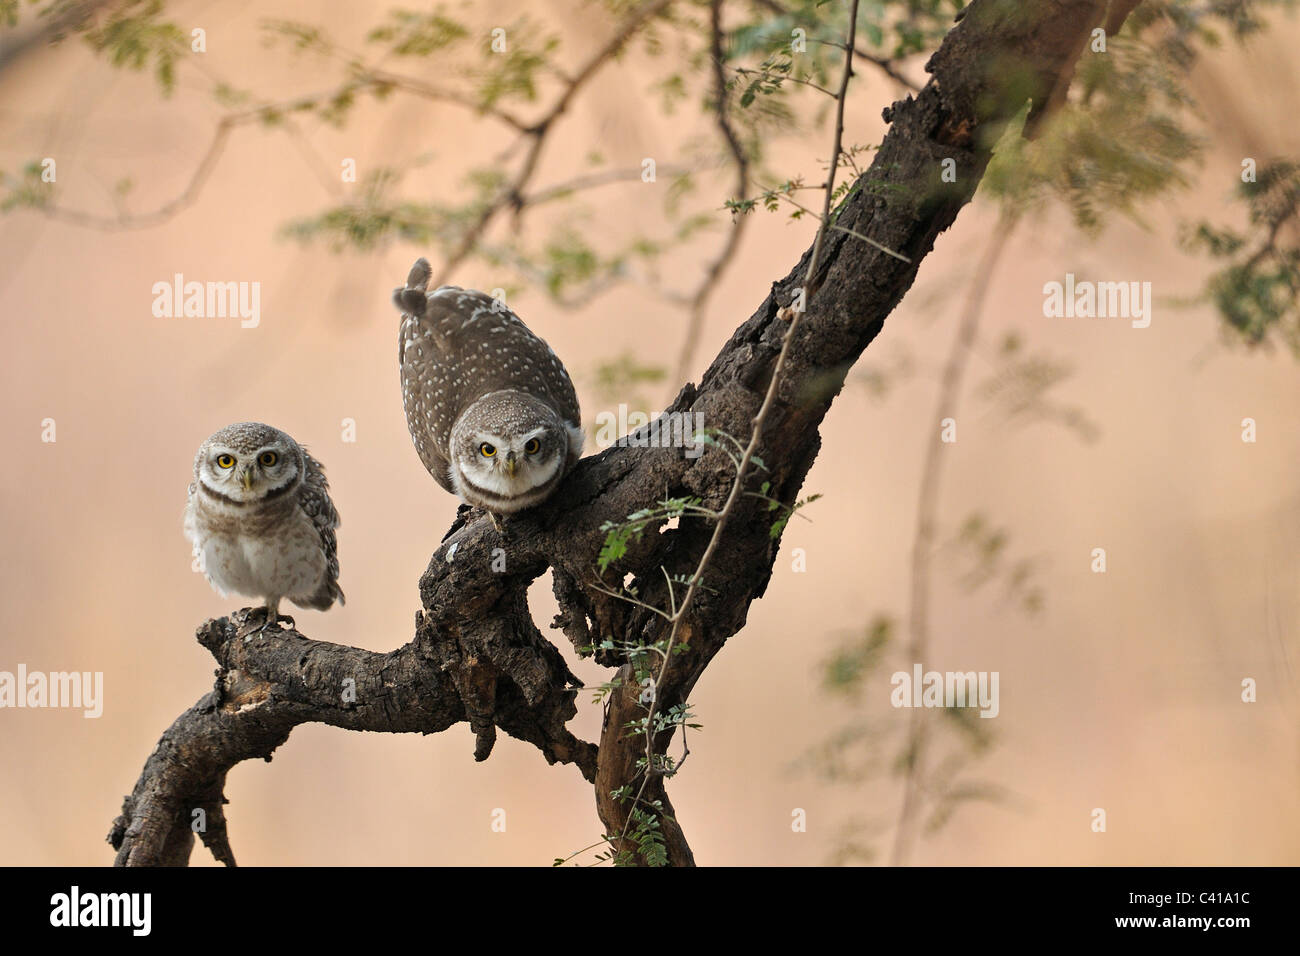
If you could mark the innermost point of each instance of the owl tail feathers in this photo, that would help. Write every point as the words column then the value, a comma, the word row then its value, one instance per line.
column 324, row 598
column 410, row 299
column 418, row 277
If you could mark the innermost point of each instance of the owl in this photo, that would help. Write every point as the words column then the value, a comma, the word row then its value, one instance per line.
column 490, row 407
column 261, row 520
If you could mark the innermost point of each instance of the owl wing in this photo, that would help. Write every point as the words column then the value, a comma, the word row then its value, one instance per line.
column 189, row 522
column 432, row 438
column 435, row 462
column 563, row 395
column 314, row 499
column 474, row 322
column 425, row 359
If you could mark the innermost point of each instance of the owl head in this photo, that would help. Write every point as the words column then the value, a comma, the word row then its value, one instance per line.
column 249, row 462
column 509, row 450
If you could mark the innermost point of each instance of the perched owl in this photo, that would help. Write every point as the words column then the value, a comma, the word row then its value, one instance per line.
column 260, row 518
column 491, row 410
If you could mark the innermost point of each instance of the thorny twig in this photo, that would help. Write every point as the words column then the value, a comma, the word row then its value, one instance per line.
column 724, row 513
column 700, row 299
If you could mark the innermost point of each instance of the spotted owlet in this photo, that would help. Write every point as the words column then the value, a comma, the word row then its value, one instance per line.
column 261, row 520
column 490, row 407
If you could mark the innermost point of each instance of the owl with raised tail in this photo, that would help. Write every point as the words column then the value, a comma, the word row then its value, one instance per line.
column 490, row 407
column 261, row 520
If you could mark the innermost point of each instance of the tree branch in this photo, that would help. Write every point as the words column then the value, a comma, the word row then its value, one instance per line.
column 477, row 656
column 699, row 301
column 883, row 64
column 511, row 195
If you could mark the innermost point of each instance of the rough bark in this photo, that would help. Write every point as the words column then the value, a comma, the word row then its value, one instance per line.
column 477, row 655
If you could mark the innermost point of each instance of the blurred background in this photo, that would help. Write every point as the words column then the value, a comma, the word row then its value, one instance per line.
column 1119, row 690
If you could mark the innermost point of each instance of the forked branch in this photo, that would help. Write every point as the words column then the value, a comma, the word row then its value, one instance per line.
column 476, row 655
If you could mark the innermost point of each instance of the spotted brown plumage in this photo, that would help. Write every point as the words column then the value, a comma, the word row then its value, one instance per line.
column 491, row 410
column 261, row 521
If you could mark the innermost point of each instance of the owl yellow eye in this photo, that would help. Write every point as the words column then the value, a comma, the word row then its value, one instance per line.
column 268, row 458
column 532, row 446
column 226, row 461
column 486, row 450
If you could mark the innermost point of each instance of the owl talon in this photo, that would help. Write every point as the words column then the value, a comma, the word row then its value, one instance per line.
column 269, row 624
column 253, row 615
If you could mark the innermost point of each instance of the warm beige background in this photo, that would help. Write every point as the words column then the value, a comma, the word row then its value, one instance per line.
column 1123, row 695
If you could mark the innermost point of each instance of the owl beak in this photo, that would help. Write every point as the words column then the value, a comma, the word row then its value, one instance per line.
column 246, row 476
column 511, row 464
